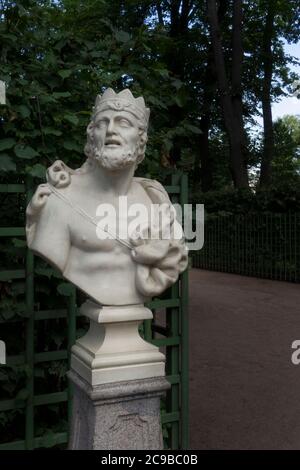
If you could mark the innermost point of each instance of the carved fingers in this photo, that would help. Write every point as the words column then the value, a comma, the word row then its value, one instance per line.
column 151, row 241
column 39, row 199
column 150, row 253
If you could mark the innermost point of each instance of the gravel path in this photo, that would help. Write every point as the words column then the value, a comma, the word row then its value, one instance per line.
column 244, row 389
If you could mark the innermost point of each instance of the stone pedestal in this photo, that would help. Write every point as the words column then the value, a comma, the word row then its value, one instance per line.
column 118, row 381
column 117, row 416
column 113, row 350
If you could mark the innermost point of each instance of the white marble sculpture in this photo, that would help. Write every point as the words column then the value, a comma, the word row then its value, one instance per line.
column 118, row 377
column 62, row 215
column 119, row 266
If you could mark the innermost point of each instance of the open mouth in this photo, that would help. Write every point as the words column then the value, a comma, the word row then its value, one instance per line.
column 112, row 142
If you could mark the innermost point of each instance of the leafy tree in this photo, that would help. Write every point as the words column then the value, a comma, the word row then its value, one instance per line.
column 286, row 161
column 56, row 56
column 231, row 92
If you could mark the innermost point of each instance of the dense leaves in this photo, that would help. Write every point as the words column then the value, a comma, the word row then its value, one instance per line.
column 57, row 55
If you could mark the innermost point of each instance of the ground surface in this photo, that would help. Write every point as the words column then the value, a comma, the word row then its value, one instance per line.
column 244, row 389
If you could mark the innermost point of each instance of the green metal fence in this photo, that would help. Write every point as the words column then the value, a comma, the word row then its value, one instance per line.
column 260, row 245
column 169, row 330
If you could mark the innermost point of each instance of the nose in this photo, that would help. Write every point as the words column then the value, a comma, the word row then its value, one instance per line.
column 111, row 127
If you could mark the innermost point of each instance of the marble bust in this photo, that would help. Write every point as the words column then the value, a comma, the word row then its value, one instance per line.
column 62, row 215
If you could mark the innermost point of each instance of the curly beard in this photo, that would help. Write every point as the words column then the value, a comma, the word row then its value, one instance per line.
column 115, row 159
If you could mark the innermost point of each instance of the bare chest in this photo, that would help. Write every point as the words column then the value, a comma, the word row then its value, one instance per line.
column 105, row 224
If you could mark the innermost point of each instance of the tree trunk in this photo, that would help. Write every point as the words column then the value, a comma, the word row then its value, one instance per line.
column 232, row 110
column 203, row 164
column 159, row 13
column 236, row 72
column 206, row 173
column 179, row 16
column 268, row 151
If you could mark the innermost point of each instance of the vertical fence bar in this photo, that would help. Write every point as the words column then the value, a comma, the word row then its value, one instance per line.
column 243, row 232
column 251, row 250
column 148, row 330
column 72, row 312
column 266, row 229
column 235, row 242
column 29, row 334
column 228, row 246
column 285, row 248
column 172, row 354
column 215, row 245
column 271, row 243
column 295, row 248
column 206, row 246
column 218, row 241
column 253, row 236
column 212, row 249
column 246, row 246
column 239, row 219
column 184, row 317
column 221, row 244
column 291, row 248
column 259, row 271
column 173, row 369
column 281, row 249
column 267, row 246
column 277, row 244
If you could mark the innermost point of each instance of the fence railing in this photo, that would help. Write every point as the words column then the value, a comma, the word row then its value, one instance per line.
column 260, row 245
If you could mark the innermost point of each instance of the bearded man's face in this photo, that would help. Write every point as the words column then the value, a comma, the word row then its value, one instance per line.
column 116, row 139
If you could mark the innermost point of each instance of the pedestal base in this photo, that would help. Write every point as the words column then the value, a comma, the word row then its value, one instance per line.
column 117, row 416
column 113, row 350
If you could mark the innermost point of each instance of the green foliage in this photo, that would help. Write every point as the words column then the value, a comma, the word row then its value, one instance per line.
column 56, row 56
column 283, row 197
column 66, row 61
column 286, row 162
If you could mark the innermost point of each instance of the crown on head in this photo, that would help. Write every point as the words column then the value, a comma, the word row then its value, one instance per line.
column 124, row 101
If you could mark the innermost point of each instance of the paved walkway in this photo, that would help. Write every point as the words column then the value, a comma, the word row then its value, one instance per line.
column 244, row 389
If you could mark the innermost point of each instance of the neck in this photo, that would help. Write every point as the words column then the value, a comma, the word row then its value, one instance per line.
column 117, row 183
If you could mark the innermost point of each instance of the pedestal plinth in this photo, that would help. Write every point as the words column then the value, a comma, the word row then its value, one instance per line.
column 118, row 381
column 117, row 416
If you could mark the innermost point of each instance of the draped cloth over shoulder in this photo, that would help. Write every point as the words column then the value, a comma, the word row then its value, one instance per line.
column 159, row 262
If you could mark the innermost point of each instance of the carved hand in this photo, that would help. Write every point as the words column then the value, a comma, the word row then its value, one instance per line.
column 152, row 244
column 38, row 200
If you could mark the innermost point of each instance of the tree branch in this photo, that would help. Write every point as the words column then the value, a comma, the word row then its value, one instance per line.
column 159, row 13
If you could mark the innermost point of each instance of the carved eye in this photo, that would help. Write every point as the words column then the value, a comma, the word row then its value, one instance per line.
column 101, row 124
column 124, row 122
